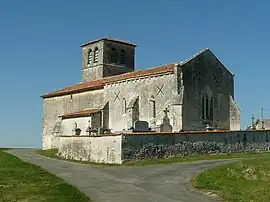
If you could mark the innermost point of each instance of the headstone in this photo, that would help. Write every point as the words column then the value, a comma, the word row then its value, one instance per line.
column 141, row 126
column 100, row 131
column 166, row 126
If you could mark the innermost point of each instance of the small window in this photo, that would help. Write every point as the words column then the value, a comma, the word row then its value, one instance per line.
column 122, row 56
column 71, row 98
column 96, row 55
column 124, row 106
column 89, row 57
column 152, row 107
column 114, row 55
column 207, row 107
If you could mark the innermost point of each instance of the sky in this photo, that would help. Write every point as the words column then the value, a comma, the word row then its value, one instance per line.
column 40, row 49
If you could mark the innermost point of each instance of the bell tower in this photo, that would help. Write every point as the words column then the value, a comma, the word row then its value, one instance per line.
column 106, row 57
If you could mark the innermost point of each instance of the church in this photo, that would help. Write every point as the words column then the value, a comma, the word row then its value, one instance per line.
column 113, row 96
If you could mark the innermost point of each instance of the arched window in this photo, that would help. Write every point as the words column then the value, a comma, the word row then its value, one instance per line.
column 114, row 55
column 89, row 57
column 211, row 111
column 207, row 106
column 124, row 106
column 122, row 56
column 152, row 107
column 96, row 55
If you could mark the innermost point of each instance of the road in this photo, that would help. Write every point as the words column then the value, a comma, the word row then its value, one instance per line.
column 154, row 183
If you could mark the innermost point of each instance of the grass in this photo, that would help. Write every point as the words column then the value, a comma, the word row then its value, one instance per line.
column 20, row 181
column 247, row 180
column 52, row 154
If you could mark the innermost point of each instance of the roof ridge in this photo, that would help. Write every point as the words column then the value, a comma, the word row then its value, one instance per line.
column 194, row 56
column 108, row 39
column 99, row 83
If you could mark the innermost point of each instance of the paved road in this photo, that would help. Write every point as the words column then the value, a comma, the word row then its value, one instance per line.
column 155, row 183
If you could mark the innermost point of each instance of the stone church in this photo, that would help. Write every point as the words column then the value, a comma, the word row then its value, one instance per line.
column 112, row 95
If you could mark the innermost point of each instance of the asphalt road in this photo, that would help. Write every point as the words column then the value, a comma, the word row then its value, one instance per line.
column 157, row 183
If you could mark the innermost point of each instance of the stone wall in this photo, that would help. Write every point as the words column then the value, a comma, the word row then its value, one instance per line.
column 143, row 146
column 161, row 90
column 117, row 149
column 105, row 149
column 206, row 75
column 234, row 115
column 68, row 125
column 104, row 66
column 57, row 106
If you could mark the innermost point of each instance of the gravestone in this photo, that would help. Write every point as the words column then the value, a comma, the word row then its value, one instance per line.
column 166, row 126
column 141, row 126
column 100, row 131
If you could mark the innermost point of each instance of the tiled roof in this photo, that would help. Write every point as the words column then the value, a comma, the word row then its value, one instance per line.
column 98, row 84
column 109, row 39
column 81, row 113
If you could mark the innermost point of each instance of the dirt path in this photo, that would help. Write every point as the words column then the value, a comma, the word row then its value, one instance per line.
column 159, row 183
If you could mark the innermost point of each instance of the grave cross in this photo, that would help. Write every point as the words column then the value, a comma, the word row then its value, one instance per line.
column 252, row 121
column 166, row 111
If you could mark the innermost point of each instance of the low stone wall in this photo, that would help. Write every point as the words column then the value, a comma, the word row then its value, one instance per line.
column 143, row 146
column 102, row 149
column 129, row 147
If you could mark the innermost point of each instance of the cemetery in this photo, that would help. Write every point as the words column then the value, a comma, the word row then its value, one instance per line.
column 141, row 143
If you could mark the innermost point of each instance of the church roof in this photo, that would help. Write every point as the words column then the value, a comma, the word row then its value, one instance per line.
column 81, row 113
column 109, row 39
column 100, row 83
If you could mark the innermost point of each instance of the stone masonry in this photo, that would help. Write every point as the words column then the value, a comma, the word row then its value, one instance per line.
column 118, row 148
column 197, row 91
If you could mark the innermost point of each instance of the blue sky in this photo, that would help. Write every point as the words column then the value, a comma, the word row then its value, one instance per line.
column 40, row 48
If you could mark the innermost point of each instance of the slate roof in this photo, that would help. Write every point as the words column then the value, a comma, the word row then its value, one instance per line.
column 81, row 113
column 109, row 39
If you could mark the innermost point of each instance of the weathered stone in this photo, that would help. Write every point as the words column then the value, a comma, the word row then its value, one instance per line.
column 126, row 147
column 197, row 91
column 95, row 149
column 140, row 147
column 166, row 126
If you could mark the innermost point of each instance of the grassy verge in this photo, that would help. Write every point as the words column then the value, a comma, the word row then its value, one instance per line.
column 20, row 181
column 52, row 154
column 247, row 180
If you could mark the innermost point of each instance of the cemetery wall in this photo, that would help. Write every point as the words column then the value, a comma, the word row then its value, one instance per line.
column 99, row 149
column 164, row 145
column 117, row 148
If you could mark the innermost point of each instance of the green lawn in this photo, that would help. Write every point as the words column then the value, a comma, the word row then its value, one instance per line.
column 244, row 181
column 52, row 154
column 20, row 181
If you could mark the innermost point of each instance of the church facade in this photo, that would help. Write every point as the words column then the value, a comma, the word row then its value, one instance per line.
column 112, row 95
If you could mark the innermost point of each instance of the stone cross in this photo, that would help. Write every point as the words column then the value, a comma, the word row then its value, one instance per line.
column 166, row 111
column 166, row 126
